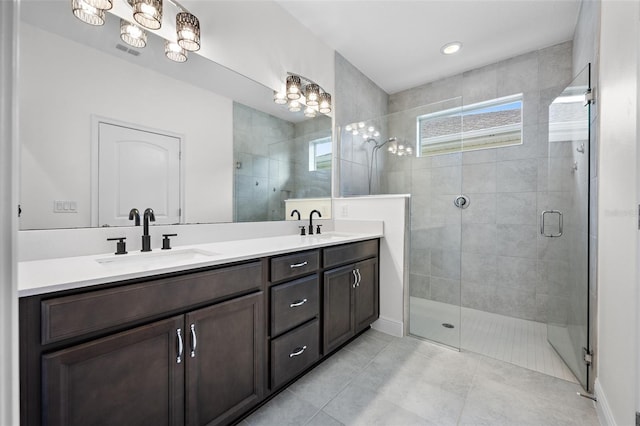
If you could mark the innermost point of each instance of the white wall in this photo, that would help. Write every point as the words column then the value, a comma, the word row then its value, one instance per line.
column 55, row 128
column 9, row 405
column 262, row 41
column 616, row 383
column 392, row 210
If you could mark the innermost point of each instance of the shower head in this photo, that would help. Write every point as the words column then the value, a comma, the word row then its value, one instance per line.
column 378, row 146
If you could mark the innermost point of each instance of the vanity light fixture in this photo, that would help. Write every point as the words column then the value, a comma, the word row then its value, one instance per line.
column 188, row 31
column 148, row 13
column 132, row 34
column 100, row 4
column 301, row 93
column 174, row 51
column 451, row 48
column 399, row 149
column 87, row 13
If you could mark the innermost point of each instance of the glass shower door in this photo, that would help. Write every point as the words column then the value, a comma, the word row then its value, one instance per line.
column 564, row 226
column 436, row 228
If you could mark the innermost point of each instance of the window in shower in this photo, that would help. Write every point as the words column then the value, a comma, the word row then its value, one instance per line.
column 490, row 124
column 320, row 154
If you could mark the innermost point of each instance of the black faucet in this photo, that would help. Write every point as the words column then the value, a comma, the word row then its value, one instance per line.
column 295, row 211
column 311, row 220
column 135, row 214
column 146, row 238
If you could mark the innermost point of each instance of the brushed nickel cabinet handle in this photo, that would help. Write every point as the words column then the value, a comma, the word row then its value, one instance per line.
column 359, row 277
column 180, row 345
column 297, row 351
column 194, row 340
column 355, row 279
column 299, row 265
column 298, row 303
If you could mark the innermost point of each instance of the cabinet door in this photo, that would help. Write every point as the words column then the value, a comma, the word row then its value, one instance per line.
column 338, row 305
column 225, row 360
column 366, row 294
column 131, row 378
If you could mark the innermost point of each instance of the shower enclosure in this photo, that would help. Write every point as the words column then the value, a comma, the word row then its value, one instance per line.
column 499, row 215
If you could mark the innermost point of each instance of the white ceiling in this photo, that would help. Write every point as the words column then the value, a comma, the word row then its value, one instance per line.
column 397, row 43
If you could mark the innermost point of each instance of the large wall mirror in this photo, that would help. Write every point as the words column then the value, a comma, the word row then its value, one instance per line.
column 99, row 117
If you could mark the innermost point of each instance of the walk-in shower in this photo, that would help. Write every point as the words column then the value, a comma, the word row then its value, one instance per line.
column 499, row 220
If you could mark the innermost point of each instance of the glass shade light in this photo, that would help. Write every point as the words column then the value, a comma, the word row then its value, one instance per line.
column 148, row 13
column 188, row 30
column 312, row 94
column 132, row 34
column 309, row 112
column 87, row 13
column 294, row 105
column 325, row 103
column 279, row 98
column 174, row 52
column 100, row 4
column 293, row 87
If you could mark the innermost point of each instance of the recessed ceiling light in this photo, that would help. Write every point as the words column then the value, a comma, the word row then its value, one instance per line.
column 451, row 48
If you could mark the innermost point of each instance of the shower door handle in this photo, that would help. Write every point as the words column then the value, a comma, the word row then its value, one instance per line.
column 560, row 225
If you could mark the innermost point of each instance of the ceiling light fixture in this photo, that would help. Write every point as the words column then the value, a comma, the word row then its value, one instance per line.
column 148, row 14
column 303, row 93
column 451, row 48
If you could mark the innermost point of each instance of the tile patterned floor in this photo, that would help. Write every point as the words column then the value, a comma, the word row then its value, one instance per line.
column 520, row 342
column 381, row 380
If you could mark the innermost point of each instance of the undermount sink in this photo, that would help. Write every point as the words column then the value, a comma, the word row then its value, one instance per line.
column 156, row 257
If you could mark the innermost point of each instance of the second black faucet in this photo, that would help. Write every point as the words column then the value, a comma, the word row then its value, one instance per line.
column 311, row 221
column 146, row 238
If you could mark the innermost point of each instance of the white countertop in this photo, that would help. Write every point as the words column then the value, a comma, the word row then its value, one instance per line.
column 50, row 275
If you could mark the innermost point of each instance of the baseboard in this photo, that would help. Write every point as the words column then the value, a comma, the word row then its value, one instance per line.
column 389, row 326
column 602, row 407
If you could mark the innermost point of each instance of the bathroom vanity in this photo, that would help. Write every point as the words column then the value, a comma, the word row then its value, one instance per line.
column 203, row 342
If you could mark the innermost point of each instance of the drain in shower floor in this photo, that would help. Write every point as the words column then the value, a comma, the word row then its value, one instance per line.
column 447, row 325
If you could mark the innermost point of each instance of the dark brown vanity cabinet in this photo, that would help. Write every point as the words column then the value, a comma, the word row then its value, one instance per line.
column 294, row 311
column 202, row 364
column 351, row 292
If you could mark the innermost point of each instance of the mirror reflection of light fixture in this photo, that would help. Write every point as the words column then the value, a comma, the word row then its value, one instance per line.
column 399, row 149
column 148, row 14
column 302, row 93
column 132, row 34
column 174, row 51
column 86, row 13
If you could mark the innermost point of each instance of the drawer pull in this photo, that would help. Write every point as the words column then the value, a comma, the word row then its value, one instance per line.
column 299, row 265
column 298, row 351
column 298, row 303
column 194, row 341
column 355, row 279
column 180, row 345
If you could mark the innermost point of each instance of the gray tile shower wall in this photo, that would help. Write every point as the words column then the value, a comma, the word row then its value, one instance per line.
column 356, row 98
column 502, row 261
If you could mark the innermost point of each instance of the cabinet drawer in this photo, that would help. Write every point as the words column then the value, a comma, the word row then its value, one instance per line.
column 294, row 352
column 71, row 316
column 294, row 265
column 350, row 252
column 293, row 303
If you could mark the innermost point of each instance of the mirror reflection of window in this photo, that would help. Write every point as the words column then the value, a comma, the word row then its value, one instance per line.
column 320, row 154
column 490, row 124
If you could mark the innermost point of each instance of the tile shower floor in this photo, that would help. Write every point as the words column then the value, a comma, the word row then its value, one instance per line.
column 382, row 380
column 520, row 342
